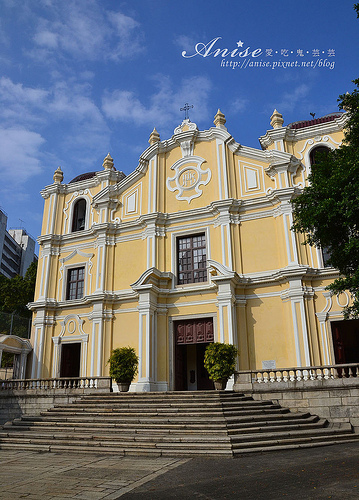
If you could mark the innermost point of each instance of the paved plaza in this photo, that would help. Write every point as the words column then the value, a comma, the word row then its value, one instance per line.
column 330, row 472
column 34, row 475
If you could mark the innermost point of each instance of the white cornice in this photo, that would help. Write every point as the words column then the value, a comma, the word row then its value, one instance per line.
column 295, row 135
column 105, row 175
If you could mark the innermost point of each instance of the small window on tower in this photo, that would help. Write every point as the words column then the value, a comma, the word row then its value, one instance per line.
column 79, row 215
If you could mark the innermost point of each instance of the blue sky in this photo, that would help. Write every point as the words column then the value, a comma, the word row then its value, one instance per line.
column 79, row 79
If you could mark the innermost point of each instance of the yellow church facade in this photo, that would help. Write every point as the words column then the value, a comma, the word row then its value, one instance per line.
column 194, row 246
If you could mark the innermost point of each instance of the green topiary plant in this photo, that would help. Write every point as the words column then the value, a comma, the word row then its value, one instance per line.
column 123, row 364
column 220, row 360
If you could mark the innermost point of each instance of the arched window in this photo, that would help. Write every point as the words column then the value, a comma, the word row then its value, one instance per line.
column 79, row 215
column 314, row 152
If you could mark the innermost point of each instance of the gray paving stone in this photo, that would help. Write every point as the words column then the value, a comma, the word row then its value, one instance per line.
column 37, row 476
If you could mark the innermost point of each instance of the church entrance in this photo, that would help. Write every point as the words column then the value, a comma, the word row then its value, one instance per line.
column 191, row 340
column 346, row 341
column 70, row 359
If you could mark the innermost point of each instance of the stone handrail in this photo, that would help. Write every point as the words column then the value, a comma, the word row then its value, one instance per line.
column 295, row 374
column 45, row 384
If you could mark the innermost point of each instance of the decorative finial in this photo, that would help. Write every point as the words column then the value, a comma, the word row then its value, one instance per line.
column 154, row 137
column 220, row 119
column 58, row 175
column 312, row 115
column 276, row 120
column 186, row 108
column 108, row 163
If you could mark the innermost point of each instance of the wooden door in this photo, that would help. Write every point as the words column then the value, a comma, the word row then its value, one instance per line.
column 70, row 360
column 189, row 332
column 181, row 368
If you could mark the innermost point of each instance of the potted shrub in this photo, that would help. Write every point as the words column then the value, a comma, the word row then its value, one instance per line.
column 123, row 366
column 220, row 363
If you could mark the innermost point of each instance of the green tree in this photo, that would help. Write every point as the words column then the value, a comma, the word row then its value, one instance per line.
column 327, row 211
column 16, row 292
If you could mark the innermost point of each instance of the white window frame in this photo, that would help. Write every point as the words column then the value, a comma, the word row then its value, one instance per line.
column 183, row 233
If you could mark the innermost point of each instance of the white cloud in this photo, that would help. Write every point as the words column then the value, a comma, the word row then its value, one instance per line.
column 65, row 114
column 46, row 39
column 291, row 99
column 86, row 31
column 185, row 42
column 20, row 152
column 239, row 105
column 16, row 93
column 164, row 104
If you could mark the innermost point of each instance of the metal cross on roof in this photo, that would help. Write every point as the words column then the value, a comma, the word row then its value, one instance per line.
column 185, row 108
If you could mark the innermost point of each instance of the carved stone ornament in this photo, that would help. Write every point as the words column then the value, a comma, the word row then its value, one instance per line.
column 186, row 125
column 72, row 324
column 188, row 178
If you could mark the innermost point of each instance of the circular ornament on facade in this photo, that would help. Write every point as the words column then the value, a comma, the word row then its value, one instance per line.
column 189, row 178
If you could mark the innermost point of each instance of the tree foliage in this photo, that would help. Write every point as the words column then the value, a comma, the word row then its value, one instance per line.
column 18, row 291
column 327, row 211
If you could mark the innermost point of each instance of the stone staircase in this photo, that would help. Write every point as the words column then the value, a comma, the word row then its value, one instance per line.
column 186, row 424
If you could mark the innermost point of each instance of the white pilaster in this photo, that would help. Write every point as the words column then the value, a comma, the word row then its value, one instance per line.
column 147, row 307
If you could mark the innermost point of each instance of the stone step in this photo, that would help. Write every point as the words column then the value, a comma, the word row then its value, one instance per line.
column 273, row 425
column 186, row 424
column 118, row 437
column 259, row 446
column 290, row 434
column 130, row 452
column 286, row 419
column 280, row 428
column 120, row 443
column 232, row 423
column 188, row 395
column 181, row 436
column 273, row 409
column 228, row 406
column 143, row 419
column 138, row 427
column 151, row 412
column 125, row 429
column 296, row 441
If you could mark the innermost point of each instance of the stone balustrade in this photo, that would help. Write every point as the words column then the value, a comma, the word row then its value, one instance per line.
column 32, row 396
column 103, row 384
column 308, row 373
column 331, row 392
